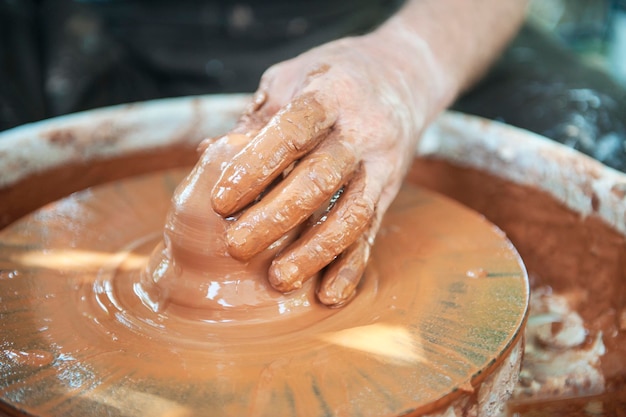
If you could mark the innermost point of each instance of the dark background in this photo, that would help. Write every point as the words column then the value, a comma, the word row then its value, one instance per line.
column 560, row 77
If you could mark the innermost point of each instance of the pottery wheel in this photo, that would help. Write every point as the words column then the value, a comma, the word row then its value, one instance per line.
column 440, row 309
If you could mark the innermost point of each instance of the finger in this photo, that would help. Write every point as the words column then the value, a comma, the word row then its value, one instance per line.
column 237, row 140
column 290, row 134
column 204, row 145
column 344, row 274
column 257, row 113
column 312, row 183
column 250, row 122
column 320, row 244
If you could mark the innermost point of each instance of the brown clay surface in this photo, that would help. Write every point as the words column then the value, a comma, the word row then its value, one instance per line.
column 442, row 303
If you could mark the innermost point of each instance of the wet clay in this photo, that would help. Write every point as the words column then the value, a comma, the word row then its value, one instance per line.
column 284, row 144
column 193, row 267
column 86, row 331
column 304, row 121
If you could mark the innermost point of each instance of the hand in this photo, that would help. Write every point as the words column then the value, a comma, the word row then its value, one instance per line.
column 339, row 122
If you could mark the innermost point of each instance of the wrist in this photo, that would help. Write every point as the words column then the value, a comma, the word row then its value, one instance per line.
column 433, row 85
column 455, row 40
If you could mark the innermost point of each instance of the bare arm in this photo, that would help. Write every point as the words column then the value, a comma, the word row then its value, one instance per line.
column 456, row 39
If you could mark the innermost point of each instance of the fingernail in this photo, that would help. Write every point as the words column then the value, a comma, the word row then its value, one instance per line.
column 236, row 240
column 337, row 290
column 217, row 197
column 283, row 276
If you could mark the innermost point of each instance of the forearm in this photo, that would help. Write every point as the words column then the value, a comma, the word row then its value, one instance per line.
column 448, row 44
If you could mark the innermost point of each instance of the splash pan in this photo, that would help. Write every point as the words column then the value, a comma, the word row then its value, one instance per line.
column 440, row 310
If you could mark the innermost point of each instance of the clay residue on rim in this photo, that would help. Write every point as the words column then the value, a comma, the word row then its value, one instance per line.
column 578, row 257
column 40, row 188
column 47, row 160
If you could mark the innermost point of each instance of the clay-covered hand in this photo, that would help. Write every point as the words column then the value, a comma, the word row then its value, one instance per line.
column 334, row 131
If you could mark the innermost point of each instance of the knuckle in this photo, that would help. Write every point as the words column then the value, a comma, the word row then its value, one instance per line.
column 360, row 211
column 328, row 169
column 284, row 275
column 300, row 125
column 270, row 74
column 324, row 181
column 295, row 140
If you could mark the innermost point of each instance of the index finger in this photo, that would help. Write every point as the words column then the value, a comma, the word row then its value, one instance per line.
column 290, row 134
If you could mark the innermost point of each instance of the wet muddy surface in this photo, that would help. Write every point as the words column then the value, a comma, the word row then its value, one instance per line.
column 84, row 334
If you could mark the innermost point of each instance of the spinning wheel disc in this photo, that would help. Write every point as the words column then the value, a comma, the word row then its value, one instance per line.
column 441, row 307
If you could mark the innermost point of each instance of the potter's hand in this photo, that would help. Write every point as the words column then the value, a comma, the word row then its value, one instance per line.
column 349, row 114
column 345, row 118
